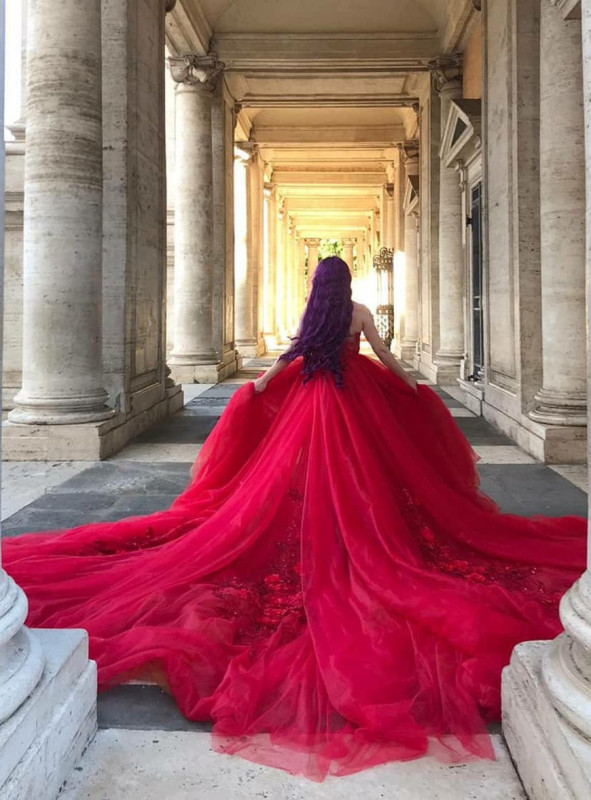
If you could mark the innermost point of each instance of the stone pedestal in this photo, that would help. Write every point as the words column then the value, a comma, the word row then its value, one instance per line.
column 448, row 82
column 193, row 239
column 46, row 732
column 62, row 369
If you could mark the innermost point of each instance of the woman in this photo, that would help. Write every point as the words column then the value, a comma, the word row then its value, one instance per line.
column 332, row 590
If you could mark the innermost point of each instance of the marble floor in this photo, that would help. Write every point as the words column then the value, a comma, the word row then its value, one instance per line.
column 145, row 748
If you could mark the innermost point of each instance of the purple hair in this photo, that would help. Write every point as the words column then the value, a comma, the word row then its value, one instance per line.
column 326, row 321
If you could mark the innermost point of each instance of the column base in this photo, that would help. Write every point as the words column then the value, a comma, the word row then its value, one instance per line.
column 553, row 760
column 60, row 410
column 91, row 441
column 207, row 373
column 251, row 348
column 550, row 444
column 557, row 408
column 43, row 740
column 408, row 351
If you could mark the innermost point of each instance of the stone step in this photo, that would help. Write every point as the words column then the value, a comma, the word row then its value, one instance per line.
column 43, row 740
column 152, row 765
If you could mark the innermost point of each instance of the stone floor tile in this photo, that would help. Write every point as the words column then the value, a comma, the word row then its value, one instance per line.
column 152, row 765
column 158, row 453
column 503, row 454
column 575, row 473
column 25, row 481
column 530, row 489
column 459, row 411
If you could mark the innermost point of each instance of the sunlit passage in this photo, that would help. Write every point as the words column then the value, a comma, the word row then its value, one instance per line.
column 178, row 178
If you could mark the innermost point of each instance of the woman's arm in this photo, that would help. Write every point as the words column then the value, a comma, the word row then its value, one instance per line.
column 382, row 352
column 261, row 383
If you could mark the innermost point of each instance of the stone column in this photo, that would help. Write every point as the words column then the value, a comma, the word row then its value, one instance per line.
column 447, row 76
column 300, row 275
column 348, row 247
column 411, row 286
column 562, row 399
column 312, row 245
column 270, row 281
column 62, row 265
column 547, row 687
column 282, row 274
column 292, row 305
column 249, row 255
column 193, row 337
column 48, row 706
column 389, row 219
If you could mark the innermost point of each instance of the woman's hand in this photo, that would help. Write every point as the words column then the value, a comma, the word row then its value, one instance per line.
column 260, row 384
column 411, row 382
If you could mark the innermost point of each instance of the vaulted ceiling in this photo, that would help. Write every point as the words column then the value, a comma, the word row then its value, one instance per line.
column 325, row 88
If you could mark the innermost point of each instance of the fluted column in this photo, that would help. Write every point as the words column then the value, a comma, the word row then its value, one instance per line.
column 447, row 73
column 562, row 399
column 348, row 248
column 270, row 264
column 62, row 264
column 193, row 334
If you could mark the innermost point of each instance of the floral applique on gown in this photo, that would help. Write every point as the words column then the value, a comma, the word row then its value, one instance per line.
column 332, row 590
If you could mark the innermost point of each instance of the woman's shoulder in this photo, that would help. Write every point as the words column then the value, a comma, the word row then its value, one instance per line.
column 359, row 308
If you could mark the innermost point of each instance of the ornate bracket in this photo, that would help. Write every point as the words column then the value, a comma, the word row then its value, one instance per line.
column 196, row 70
column 446, row 70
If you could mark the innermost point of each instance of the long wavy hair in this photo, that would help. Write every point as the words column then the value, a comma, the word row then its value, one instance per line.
column 326, row 321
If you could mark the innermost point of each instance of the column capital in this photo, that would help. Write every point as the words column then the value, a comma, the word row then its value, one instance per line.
column 446, row 72
column 349, row 242
column 193, row 70
column 246, row 152
column 409, row 150
column 312, row 242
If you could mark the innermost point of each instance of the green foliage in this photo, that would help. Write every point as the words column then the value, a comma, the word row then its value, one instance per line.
column 330, row 247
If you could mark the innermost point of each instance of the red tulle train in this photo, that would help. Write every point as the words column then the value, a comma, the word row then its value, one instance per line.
column 332, row 590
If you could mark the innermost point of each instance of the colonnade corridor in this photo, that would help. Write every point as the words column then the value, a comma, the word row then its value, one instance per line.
column 174, row 171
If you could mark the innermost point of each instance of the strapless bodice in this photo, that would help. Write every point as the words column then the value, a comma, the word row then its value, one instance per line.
column 352, row 343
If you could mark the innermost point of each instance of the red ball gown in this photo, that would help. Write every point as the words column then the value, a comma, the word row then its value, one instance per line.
column 332, row 590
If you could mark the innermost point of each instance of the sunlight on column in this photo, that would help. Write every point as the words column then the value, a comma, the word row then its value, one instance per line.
column 240, row 224
column 399, row 289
